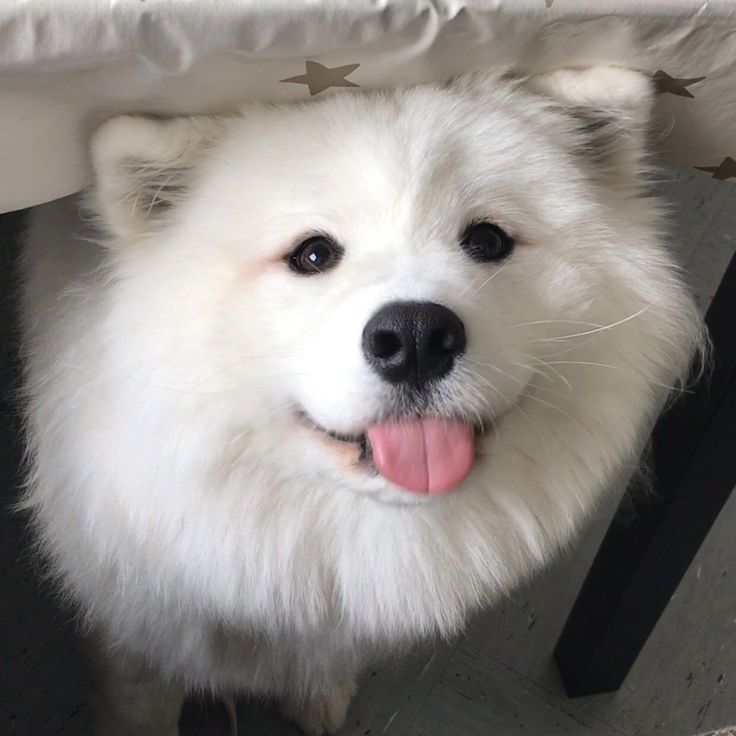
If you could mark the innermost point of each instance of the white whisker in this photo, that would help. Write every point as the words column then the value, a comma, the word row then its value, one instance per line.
column 555, row 321
column 597, row 329
column 537, row 387
column 498, row 370
column 617, row 368
column 484, row 284
column 508, row 403
column 555, row 408
column 545, row 363
column 277, row 410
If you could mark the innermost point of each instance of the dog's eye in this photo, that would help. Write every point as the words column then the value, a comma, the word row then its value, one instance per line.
column 486, row 242
column 315, row 255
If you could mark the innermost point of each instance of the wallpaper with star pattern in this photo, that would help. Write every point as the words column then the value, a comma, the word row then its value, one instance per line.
column 97, row 59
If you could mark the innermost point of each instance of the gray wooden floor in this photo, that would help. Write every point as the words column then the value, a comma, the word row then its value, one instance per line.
column 498, row 679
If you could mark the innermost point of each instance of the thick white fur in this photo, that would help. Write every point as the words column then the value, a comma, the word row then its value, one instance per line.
column 206, row 533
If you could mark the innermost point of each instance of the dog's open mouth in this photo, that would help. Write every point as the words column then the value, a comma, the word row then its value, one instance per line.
column 424, row 454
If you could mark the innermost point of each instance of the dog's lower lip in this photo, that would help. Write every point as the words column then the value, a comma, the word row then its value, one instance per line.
column 350, row 438
column 365, row 448
column 361, row 438
column 340, row 437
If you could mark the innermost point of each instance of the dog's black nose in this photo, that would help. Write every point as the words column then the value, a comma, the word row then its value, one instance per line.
column 413, row 342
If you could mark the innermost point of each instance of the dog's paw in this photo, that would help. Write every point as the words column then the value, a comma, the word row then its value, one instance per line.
column 320, row 715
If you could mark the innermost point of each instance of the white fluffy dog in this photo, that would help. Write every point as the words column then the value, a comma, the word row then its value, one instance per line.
column 337, row 374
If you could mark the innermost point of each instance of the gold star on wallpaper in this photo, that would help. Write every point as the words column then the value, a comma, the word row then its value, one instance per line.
column 663, row 82
column 725, row 170
column 319, row 78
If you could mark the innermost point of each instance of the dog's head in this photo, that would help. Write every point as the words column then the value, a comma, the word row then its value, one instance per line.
column 403, row 293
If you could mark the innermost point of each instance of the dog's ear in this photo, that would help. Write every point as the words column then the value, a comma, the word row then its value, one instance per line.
column 143, row 166
column 611, row 109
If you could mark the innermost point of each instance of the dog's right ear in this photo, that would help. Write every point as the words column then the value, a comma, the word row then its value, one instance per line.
column 143, row 166
column 611, row 106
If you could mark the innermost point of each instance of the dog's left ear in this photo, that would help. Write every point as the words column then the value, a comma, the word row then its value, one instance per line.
column 611, row 108
column 144, row 166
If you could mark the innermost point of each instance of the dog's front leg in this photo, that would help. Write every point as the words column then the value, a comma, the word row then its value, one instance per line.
column 322, row 713
column 131, row 699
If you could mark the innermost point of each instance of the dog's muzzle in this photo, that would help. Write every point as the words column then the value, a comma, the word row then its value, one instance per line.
column 410, row 345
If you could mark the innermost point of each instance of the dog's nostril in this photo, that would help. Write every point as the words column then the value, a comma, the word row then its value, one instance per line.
column 385, row 344
column 442, row 340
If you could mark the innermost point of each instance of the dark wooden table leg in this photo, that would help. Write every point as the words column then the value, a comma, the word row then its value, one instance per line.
column 641, row 561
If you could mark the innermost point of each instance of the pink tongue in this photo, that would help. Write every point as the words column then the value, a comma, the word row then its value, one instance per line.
column 426, row 455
